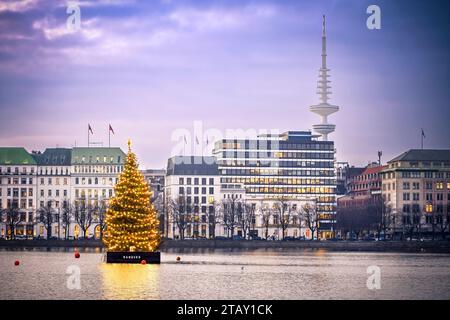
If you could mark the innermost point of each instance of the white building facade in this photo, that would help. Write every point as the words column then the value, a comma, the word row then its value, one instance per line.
column 54, row 180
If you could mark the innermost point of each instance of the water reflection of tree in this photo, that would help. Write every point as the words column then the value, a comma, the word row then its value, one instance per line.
column 130, row 281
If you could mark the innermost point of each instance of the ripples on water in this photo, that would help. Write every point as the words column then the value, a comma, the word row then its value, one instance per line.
column 259, row 274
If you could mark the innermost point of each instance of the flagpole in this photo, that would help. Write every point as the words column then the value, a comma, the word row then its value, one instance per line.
column 88, row 137
column 109, row 136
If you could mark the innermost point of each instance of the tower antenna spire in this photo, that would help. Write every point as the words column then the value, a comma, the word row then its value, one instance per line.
column 324, row 109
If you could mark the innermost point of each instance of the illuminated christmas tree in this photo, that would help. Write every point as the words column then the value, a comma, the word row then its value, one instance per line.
column 131, row 222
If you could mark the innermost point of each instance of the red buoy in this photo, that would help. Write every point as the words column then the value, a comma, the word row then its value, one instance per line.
column 77, row 255
column 17, row 262
column 178, row 259
column 143, row 262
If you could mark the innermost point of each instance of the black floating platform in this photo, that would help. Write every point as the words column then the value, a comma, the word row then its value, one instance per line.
column 133, row 257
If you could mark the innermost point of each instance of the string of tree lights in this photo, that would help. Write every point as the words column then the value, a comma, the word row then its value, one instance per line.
column 131, row 220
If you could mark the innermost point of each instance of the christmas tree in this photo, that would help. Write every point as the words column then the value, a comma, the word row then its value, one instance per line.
column 131, row 222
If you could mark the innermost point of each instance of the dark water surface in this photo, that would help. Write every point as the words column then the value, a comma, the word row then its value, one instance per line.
column 260, row 274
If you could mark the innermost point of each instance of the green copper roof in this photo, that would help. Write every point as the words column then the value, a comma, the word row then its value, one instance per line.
column 15, row 156
column 423, row 155
column 97, row 156
column 54, row 157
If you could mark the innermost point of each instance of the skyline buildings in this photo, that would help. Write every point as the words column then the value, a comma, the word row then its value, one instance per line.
column 147, row 76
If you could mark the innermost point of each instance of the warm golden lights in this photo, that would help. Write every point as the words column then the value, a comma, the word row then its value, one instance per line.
column 131, row 220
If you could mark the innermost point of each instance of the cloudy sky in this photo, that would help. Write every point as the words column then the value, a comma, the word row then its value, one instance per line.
column 151, row 68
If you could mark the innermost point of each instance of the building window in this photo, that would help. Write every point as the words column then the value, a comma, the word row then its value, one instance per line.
column 405, row 196
column 181, row 181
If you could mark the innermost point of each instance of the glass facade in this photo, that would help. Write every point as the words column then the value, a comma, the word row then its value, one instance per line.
column 294, row 164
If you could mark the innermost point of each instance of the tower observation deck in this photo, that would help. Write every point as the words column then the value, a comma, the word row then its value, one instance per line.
column 324, row 109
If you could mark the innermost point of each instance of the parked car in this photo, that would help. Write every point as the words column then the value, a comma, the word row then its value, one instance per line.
column 290, row 239
column 236, row 237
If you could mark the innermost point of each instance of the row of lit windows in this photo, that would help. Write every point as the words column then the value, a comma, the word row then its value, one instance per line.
column 277, row 172
column 272, row 145
column 277, row 155
column 305, row 190
column 283, row 181
column 275, row 163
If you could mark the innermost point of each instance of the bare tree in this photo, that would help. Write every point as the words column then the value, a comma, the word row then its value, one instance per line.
column 266, row 214
column 250, row 216
column 283, row 209
column 46, row 216
column 246, row 216
column 100, row 217
column 443, row 222
column 213, row 217
column 177, row 210
column 66, row 218
column 311, row 218
column 84, row 216
column 11, row 217
column 232, row 209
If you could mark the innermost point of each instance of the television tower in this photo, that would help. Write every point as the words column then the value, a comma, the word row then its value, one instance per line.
column 324, row 109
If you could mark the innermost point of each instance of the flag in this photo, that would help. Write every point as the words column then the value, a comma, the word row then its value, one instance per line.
column 196, row 140
column 90, row 129
column 185, row 141
column 207, row 140
column 423, row 134
column 111, row 129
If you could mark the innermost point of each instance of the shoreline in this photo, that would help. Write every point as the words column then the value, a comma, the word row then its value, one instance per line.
column 187, row 245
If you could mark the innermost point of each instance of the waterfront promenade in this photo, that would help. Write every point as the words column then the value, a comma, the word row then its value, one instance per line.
column 170, row 245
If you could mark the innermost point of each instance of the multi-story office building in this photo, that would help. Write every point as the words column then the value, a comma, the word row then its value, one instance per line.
column 192, row 192
column 18, row 190
column 293, row 165
column 416, row 189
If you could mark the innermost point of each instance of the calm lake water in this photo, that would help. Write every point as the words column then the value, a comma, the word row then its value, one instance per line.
column 260, row 274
